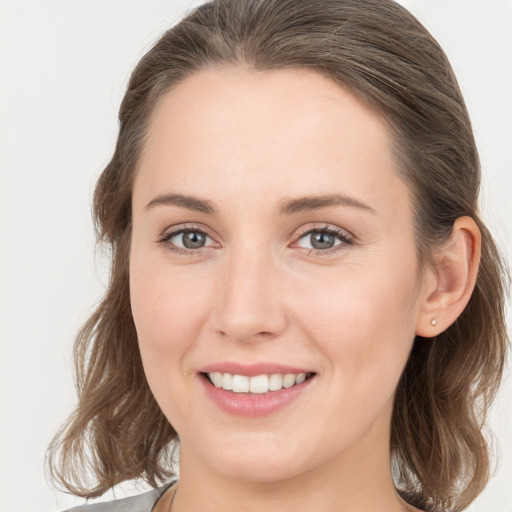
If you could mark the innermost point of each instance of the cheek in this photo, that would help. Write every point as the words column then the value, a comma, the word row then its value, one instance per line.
column 359, row 318
column 165, row 307
column 363, row 324
column 363, row 311
column 170, row 305
column 364, row 321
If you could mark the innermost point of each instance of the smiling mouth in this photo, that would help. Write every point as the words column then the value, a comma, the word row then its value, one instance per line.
column 258, row 384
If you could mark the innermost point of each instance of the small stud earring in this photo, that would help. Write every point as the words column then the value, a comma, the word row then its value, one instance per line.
column 434, row 322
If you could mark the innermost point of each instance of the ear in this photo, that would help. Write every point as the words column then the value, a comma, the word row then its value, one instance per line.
column 450, row 283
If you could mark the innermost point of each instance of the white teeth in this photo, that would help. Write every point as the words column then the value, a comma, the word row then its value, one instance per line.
column 257, row 384
column 300, row 378
column 227, row 382
column 240, row 384
column 275, row 382
column 288, row 380
column 217, row 379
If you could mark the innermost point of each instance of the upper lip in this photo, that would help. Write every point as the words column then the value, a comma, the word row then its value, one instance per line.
column 253, row 369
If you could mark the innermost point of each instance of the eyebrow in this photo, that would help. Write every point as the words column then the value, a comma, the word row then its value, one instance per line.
column 286, row 207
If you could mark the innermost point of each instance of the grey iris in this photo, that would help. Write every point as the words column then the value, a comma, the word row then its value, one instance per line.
column 193, row 240
column 322, row 240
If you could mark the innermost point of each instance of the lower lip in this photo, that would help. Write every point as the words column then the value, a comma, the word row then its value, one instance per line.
column 253, row 404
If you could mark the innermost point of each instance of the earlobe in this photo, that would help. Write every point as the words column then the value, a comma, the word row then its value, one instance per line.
column 454, row 278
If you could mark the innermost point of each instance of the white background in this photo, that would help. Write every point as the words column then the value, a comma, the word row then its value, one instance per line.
column 64, row 65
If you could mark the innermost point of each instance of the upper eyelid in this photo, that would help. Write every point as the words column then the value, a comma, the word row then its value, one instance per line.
column 173, row 231
column 326, row 227
column 340, row 232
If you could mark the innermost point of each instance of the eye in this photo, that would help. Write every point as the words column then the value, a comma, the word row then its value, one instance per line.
column 323, row 240
column 190, row 240
column 187, row 240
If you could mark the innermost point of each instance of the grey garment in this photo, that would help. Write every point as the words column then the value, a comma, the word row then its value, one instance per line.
column 142, row 503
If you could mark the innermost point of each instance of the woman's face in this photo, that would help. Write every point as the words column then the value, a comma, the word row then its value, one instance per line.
column 262, row 160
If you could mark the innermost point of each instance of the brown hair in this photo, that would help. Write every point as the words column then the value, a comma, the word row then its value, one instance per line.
column 385, row 57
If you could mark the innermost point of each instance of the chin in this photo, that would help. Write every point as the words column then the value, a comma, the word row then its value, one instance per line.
column 260, row 460
column 259, row 471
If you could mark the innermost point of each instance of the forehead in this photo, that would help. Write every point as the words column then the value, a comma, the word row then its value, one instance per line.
column 289, row 132
column 253, row 107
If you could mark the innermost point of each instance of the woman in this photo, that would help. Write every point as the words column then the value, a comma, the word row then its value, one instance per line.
column 303, row 295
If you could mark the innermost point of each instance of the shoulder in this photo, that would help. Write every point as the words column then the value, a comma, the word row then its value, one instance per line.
column 141, row 503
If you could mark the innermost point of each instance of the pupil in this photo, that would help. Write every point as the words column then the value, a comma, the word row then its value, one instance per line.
column 322, row 241
column 193, row 240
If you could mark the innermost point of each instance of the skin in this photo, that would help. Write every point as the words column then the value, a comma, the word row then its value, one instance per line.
column 247, row 141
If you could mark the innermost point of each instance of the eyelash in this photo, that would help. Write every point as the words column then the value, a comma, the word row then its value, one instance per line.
column 346, row 239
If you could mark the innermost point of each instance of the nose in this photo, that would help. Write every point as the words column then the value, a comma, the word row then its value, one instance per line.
column 249, row 306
